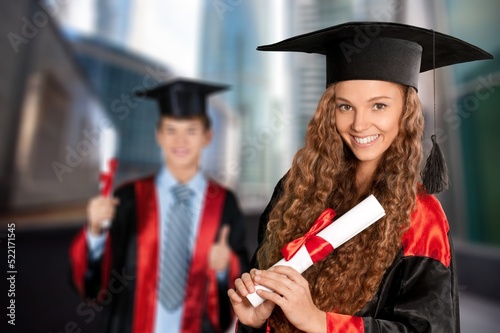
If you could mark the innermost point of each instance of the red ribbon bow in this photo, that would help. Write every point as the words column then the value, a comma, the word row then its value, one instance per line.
column 106, row 179
column 317, row 247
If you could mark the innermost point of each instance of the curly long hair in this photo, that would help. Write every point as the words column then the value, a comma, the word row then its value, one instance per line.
column 323, row 175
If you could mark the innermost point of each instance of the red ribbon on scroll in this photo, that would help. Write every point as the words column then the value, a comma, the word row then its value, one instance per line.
column 317, row 247
column 106, row 179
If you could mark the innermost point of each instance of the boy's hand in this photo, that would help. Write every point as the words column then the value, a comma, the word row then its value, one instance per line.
column 220, row 251
column 100, row 209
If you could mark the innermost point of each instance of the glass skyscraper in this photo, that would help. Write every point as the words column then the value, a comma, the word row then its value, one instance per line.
column 230, row 34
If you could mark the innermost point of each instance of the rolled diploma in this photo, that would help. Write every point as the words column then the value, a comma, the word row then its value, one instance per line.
column 108, row 144
column 340, row 231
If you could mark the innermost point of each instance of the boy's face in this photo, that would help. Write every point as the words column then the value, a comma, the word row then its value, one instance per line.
column 182, row 141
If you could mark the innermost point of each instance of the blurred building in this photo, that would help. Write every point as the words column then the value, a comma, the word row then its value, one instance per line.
column 51, row 116
column 114, row 53
column 117, row 75
column 112, row 19
column 59, row 91
column 473, row 114
column 253, row 145
column 230, row 33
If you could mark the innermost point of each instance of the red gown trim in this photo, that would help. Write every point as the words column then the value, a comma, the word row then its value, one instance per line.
column 428, row 233
column 147, row 256
column 234, row 269
column 234, row 272
column 198, row 279
column 213, row 299
column 339, row 323
column 147, row 260
column 78, row 255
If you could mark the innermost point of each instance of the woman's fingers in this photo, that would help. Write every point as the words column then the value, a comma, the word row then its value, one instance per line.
column 280, row 279
column 233, row 296
column 246, row 284
column 286, row 283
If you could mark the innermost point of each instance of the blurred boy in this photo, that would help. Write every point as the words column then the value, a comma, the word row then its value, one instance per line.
column 176, row 239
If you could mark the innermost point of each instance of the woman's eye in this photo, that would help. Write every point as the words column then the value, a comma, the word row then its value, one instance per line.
column 379, row 106
column 344, row 107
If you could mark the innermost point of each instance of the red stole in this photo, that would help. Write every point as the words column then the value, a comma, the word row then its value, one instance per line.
column 146, row 257
column 78, row 256
column 147, row 260
column 428, row 233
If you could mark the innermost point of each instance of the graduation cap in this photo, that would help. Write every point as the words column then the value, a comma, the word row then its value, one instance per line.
column 388, row 52
column 181, row 98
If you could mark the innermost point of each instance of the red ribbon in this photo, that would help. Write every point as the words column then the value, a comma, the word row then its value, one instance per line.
column 317, row 247
column 106, row 179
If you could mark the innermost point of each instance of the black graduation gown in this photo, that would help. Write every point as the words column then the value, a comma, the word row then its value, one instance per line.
column 418, row 292
column 124, row 280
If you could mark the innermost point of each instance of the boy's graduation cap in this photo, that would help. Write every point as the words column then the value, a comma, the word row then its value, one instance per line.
column 388, row 52
column 182, row 98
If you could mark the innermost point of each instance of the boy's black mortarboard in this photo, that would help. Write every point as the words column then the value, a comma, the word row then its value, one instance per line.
column 388, row 52
column 182, row 98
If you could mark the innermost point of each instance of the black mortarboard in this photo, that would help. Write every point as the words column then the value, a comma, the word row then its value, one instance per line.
column 388, row 52
column 182, row 97
column 380, row 51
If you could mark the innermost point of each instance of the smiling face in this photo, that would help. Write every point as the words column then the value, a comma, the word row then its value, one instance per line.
column 367, row 115
column 182, row 142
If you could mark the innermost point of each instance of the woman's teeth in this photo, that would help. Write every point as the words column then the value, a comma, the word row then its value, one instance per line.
column 366, row 139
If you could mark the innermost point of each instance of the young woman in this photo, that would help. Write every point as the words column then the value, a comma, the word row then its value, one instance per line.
column 365, row 138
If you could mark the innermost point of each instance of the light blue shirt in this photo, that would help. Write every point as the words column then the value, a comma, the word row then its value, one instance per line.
column 166, row 321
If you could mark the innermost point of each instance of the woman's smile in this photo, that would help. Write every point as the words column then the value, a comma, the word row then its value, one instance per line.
column 365, row 141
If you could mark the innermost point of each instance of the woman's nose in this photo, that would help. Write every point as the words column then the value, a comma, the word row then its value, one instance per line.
column 361, row 121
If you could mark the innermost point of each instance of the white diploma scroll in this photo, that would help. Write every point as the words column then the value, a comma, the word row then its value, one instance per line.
column 108, row 164
column 340, row 231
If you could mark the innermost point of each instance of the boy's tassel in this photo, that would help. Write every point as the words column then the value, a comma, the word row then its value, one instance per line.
column 435, row 172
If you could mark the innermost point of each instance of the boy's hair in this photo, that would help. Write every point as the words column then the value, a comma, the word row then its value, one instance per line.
column 207, row 124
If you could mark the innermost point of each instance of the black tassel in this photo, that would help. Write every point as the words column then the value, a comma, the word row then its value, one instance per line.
column 435, row 172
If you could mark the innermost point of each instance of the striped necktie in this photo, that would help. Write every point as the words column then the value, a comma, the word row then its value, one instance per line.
column 175, row 249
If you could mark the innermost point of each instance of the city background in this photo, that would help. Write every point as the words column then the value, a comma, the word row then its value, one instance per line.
column 70, row 69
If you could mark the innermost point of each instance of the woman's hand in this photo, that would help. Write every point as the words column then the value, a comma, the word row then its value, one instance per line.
column 292, row 295
column 244, row 310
